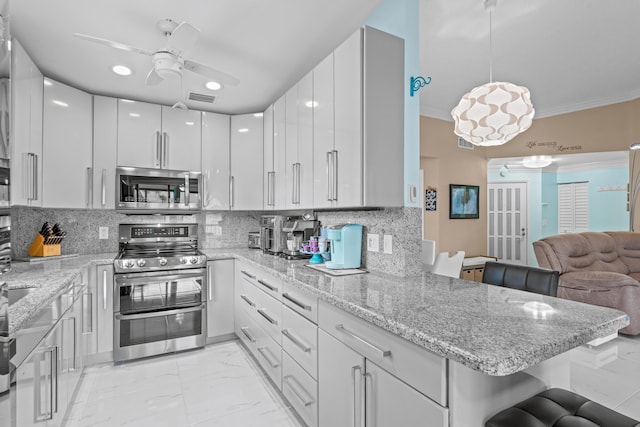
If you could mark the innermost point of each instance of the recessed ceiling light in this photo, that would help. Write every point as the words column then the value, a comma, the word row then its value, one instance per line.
column 48, row 82
column 243, row 130
column 134, row 114
column 258, row 115
column 60, row 103
column 311, row 104
column 213, row 85
column 121, row 70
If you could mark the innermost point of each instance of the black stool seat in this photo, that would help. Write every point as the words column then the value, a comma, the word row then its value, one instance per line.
column 559, row 408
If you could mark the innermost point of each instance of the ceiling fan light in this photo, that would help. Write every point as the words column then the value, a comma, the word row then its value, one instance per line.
column 493, row 114
column 537, row 161
column 213, row 85
column 122, row 70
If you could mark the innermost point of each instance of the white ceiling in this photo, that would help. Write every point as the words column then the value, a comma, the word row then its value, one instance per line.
column 268, row 45
column 571, row 54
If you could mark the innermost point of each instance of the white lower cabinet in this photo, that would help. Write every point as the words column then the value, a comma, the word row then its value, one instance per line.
column 300, row 389
column 98, row 337
column 220, row 298
column 47, row 379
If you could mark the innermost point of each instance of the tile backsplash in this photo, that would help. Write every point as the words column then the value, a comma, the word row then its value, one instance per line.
column 222, row 230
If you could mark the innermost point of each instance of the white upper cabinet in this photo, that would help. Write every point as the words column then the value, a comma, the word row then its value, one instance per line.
column 26, row 128
column 299, row 145
column 215, row 161
column 359, row 123
column 67, row 147
column 154, row 136
column 139, row 134
column 274, row 174
column 245, row 184
column 181, row 135
column 105, row 144
column 322, row 132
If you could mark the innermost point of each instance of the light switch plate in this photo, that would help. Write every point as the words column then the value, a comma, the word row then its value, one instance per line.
column 388, row 243
column 373, row 243
column 104, row 232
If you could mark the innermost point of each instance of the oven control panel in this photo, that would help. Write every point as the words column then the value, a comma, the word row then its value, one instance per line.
column 172, row 231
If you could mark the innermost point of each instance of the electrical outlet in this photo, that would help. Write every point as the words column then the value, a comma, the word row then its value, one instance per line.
column 373, row 243
column 387, row 243
column 104, row 232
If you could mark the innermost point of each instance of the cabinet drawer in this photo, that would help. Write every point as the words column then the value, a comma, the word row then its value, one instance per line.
column 301, row 301
column 260, row 279
column 467, row 275
column 266, row 311
column 300, row 340
column 269, row 355
column 477, row 274
column 246, row 329
column 300, row 390
column 418, row 367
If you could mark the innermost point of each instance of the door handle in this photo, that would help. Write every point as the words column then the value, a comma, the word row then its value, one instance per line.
column 87, row 321
column 104, row 290
column 270, row 188
column 165, row 150
column 335, row 174
column 158, row 162
column 89, row 187
column 187, row 190
column 231, row 191
column 104, row 188
column 356, row 372
column 209, row 280
column 293, row 183
column 369, row 408
column 329, row 176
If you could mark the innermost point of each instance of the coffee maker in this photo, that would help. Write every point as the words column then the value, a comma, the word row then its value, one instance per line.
column 346, row 246
column 272, row 239
column 297, row 231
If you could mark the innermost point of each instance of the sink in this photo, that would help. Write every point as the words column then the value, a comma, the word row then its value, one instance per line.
column 16, row 295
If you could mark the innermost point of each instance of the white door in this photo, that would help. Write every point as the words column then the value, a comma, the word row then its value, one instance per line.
column 139, row 136
column 508, row 222
column 246, row 162
column 573, row 207
column 215, row 161
column 323, row 135
column 181, row 131
column 66, row 147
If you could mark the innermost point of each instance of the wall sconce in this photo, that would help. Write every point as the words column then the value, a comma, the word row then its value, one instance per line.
column 417, row 83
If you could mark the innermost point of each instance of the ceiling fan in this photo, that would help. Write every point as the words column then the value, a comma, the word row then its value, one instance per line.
column 168, row 61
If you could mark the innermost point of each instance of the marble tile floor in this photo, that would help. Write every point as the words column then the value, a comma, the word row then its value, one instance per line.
column 217, row 386
column 223, row 386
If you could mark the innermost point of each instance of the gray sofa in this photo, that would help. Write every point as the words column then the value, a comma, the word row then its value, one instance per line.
column 596, row 268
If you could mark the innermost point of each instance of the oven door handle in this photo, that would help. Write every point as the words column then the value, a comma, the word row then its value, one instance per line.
column 161, row 275
column 158, row 313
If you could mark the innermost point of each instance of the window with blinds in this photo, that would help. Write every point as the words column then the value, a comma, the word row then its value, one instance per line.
column 573, row 207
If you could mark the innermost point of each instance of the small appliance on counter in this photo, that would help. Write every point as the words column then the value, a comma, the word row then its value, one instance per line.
column 272, row 239
column 254, row 240
column 346, row 246
column 297, row 231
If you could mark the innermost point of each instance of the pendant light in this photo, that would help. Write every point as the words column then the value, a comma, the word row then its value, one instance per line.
column 494, row 113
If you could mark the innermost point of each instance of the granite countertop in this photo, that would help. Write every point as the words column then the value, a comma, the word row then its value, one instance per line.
column 47, row 278
column 491, row 329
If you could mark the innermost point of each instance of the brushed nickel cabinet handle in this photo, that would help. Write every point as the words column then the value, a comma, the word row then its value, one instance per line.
column 264, row 314
column 261, row 350
column 377, row 350
column 267, row 285
column 302, row 346
column 245, row 331
column 298, row 390
column 296, row 302
column 247, row 300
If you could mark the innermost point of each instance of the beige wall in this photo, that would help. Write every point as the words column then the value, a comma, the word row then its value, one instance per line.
column 443, row 164
column 609, row 128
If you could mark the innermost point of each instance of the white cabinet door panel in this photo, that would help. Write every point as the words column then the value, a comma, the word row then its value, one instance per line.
column 305, row 142
column 246, row 162
column 139, row 136
column 268, row 182
column 67, row 147
column 220, row 311
column 105, row 148
column 291, row 148
column 215, row 161
column 181, row 131
column 322, row 131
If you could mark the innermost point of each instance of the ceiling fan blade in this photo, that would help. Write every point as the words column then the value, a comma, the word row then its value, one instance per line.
column 211, row 73
column 153, row 78
column 183, row 38
column 113, row 44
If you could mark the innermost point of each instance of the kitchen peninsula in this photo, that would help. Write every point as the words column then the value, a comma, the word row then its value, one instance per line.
column 492, row 340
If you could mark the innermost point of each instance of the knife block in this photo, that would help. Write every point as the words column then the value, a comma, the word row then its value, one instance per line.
column 38, row 248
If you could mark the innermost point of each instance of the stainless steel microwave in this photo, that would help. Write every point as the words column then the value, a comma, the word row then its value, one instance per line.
column 142, row 190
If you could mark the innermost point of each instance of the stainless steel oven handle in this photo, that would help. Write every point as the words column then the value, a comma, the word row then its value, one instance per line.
column 159, row 313
column 264, row 314
column 209, row 283
column 135, row 277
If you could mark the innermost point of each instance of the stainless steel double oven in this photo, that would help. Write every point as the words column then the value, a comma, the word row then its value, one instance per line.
column 159, row 291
